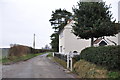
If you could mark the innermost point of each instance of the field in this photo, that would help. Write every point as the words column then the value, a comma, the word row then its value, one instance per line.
column 4, row 52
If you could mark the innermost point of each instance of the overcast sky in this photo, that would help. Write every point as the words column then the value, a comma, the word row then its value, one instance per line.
column 20, row 19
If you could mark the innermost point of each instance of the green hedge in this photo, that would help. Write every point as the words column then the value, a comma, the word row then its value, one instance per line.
column 39, row 50
column 108, row 56
column 21, row 50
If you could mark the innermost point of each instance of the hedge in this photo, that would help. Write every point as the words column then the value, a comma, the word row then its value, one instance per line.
column 34, row 51
column 21, row 50
column 108, row 56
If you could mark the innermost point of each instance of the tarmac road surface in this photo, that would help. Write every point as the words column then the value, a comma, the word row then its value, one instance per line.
column 37, row 67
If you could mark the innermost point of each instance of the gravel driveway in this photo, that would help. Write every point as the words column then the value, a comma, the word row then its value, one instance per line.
column 37, row 67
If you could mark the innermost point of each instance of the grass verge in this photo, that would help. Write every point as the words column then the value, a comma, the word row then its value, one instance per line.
column 50, row 54
column 85, row 69
column 17, row 59
column 60, row 61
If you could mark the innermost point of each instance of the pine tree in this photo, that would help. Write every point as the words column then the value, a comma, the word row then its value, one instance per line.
column 93, row 20
column 58, row 20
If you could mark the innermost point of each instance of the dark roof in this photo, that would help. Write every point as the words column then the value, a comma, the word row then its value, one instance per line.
column 97, row 40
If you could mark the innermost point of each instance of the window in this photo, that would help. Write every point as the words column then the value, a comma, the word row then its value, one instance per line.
column 102, row 43
column 60, row 48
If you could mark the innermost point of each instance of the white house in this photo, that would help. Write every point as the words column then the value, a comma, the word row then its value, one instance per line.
column 119, row 21
column 106, row 41
column 68, row 42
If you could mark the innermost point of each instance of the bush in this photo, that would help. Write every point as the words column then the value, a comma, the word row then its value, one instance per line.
column 114, row 74
column 85, row 69
column 76, row 58
column 18, row 50
column 21, row 50
column 104, row 55
column 34, row 51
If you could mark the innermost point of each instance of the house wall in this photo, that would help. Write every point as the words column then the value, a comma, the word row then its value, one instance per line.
column 61, row 41
column 119, row 11
column 119, row 21
column 74, row 44
column 112, row 38
column 70, row 42
column 119, row 39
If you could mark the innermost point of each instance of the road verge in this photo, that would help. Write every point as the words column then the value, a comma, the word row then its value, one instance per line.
column 7, row 61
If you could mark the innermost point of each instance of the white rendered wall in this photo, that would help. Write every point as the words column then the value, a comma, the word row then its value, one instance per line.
column 71, row 43
column 61, row 41
column 74, row 44
column 112, row 38
column 119, row 21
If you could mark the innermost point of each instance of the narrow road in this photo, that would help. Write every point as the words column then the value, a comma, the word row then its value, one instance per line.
column 37, row 67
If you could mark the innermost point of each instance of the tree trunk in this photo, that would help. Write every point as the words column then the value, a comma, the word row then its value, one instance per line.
column 92, row 41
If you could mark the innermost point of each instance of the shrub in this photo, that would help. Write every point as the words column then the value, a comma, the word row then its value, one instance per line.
column 21, row 50
column 86, row 69
column 76, row 58
column 104, row 55
column 34, row 51
column 114, row 74
column 18, row 50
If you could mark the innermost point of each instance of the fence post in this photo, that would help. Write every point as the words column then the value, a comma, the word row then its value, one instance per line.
column 71, row 63
column 71, row 56
column 53, row 54
column 67, row 61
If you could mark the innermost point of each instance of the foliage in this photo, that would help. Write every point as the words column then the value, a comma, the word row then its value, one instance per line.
column 39, row 50
column 49, row 55
column 55, row 42
column 117, row 26
column 20, row 50
column 76, row 58
column 58, row 20
column 93, row 19
column 85, row 69
column 112, row 74
column 107, row 56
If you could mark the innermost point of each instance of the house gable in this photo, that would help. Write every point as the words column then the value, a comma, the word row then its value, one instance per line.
column 69, row 42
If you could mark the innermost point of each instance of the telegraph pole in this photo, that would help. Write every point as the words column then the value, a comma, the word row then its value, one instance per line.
column 34, row 41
